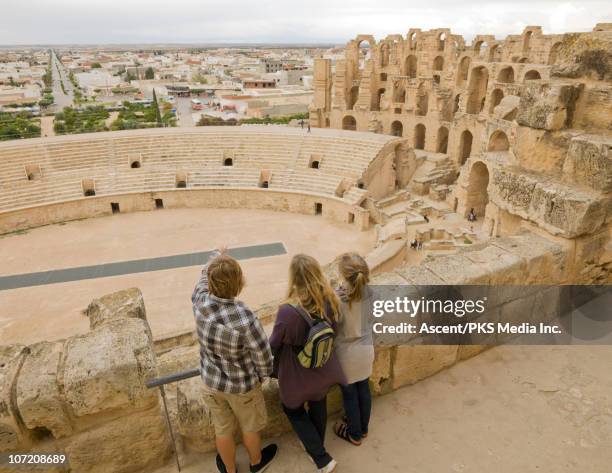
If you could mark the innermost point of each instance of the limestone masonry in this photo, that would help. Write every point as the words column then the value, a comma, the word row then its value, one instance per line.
column 409, row 135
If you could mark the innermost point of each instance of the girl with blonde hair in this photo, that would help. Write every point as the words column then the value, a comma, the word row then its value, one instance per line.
column 354, row 347
column 303, row 391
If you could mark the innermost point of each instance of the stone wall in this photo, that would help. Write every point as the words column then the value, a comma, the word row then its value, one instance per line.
column 85, row 395
column 333, row 208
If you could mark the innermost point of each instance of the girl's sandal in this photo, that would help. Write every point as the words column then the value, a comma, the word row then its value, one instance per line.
column 341, row 430
column 345, row 420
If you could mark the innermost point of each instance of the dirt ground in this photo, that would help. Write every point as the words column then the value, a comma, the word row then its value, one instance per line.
column 54, row 311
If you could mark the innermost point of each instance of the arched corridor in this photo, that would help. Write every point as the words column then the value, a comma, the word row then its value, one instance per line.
column 477, row 194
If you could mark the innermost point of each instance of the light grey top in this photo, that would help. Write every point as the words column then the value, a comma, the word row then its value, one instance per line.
column 353, row 344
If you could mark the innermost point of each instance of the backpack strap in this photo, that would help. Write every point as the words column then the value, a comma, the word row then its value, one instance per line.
column 305, row 316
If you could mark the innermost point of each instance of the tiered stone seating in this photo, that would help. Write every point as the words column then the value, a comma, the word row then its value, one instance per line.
column 199, row 154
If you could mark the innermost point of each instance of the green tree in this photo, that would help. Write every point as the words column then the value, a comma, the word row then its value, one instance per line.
column 96, row 65
column 149, row 73
column 157, row 112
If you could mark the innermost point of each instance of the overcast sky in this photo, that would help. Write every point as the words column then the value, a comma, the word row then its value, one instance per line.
column 335, row 21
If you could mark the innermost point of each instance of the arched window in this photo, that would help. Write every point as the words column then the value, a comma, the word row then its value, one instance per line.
column 397, row 129
column 365, row 51
column 532, row 75
column 498, row 142
column 419, row 136
column 378, row 99
column 422, row 104
column 477, row 194
column 496, row 97
column 438, row 63
column 135, row 164
column 352, row 97
column 441, row 41
column 463, row 70
column 411, row 66
column 314, row 165
column 465, row 146
column 228, row 162
column 456, row 104
column 554, row 52
column 384, row 55
column 349, row 123
column 442, row 145
column 477, row 89
column 506, row 75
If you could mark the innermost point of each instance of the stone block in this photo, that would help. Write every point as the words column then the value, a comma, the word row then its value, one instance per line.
column 545, row 106
column 39, row 400
column 465, row 352
column 380, row 380
column 118, row 305
column 107, row 368
column 12, row 434
column 412, row 363
column 131, row 443
column 589, row 162
column 194, row 423
column 178, row 359
column 457, row 269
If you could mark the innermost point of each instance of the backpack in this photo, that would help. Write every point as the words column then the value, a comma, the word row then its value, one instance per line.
column 319, row 344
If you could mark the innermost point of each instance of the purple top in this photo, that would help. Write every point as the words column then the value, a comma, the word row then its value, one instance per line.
column 296, row 383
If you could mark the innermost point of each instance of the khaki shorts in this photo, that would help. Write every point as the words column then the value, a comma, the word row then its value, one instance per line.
column 248, row 409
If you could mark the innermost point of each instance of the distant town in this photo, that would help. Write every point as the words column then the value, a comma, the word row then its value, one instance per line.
column 47, row 91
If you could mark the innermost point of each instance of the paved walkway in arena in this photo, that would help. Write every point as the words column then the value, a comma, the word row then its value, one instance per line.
column 134, row 266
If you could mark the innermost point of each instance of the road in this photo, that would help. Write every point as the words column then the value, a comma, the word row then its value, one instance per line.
column 59, row 75
column 184, row 112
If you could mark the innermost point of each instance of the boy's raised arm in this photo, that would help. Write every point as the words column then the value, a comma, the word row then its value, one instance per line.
column 201, row 288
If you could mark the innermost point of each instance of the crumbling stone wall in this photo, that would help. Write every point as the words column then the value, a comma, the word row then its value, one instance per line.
column 85, row 395
column 535, row 109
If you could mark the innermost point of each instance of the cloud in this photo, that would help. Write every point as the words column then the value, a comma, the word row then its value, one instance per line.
column 197, row 21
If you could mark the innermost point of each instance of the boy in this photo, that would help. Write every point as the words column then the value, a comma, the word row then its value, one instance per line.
column 235, row 356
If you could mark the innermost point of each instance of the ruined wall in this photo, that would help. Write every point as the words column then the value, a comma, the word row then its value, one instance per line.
column 85, row 395
column 523, row 124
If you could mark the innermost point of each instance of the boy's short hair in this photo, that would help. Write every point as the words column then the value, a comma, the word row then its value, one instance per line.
column 225, row 279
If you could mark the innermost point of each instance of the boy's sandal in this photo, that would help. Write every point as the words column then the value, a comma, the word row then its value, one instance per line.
column 345, row 420
column 341, row 430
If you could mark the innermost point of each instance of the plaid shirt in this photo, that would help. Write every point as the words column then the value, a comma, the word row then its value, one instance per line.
column 234, row 351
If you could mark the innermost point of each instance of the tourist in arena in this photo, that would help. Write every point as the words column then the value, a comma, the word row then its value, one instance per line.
column 354, row 347
column 235, row 357
column 303, row 390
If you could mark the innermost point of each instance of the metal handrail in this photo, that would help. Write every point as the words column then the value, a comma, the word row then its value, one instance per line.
column 160, row 383
column 172, row 378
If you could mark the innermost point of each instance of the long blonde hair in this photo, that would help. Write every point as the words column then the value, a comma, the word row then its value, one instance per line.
column 309, row 288
column 355, row 272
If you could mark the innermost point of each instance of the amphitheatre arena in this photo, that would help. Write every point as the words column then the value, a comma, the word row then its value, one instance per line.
column 102, row 237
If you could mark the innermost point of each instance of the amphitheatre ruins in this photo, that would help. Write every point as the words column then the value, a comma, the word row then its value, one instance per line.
column 409, row 134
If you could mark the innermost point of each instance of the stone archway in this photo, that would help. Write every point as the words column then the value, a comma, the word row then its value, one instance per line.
column 465, row 146
column 411, row 66
column 397, row 129
column 498, row 141
column 477, row 194
column 479, row 79
column 419, row 136
column 349, row 123
column 442, row 144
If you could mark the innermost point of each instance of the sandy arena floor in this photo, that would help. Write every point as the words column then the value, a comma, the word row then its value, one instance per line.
column 525, row 409
column 54, row 311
